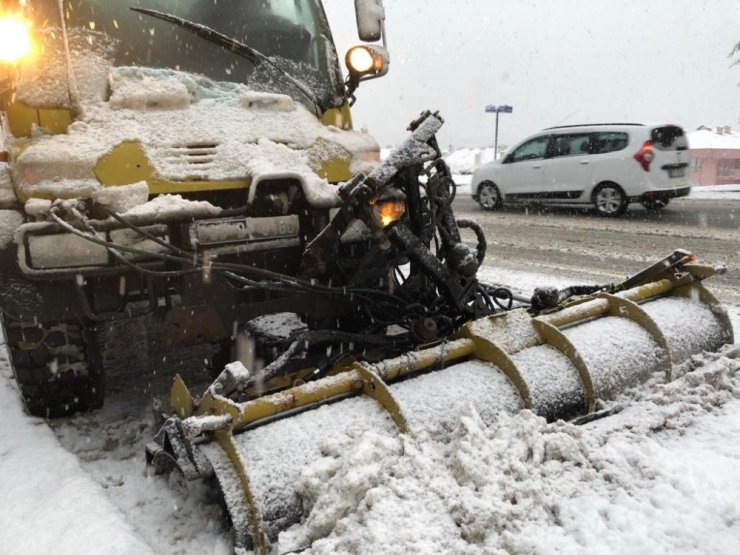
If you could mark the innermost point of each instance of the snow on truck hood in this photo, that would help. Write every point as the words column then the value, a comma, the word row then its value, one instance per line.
column 248, row 135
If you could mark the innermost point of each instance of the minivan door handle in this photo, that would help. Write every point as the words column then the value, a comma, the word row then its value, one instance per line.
column 584, row 162
column 537, row 167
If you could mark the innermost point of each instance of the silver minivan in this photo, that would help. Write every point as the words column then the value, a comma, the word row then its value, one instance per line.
column 604, row 165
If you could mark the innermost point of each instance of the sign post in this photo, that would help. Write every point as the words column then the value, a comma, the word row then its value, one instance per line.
column 491, row 109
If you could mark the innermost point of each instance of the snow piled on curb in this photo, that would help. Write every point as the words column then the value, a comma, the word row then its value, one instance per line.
column 49, row 504
column 522, row 485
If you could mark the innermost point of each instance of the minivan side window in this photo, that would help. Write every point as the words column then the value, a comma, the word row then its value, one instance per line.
column 573, row 144
column 531, row 150
column 608, row 141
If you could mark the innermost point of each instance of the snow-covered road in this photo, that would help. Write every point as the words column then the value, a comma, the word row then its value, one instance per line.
column 660, row 477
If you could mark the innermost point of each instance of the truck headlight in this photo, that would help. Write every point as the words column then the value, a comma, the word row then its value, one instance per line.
column 367, row 61
column 360, row 60
column 15, row 40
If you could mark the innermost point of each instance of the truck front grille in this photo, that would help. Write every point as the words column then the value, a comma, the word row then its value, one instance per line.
column 193, row 161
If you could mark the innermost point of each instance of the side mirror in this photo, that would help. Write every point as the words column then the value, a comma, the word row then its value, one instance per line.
column 370, row 19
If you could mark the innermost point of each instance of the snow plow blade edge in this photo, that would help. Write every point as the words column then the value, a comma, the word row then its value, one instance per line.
column 556, row 364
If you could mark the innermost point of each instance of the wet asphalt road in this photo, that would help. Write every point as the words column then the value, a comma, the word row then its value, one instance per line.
column 689, row 212
column 582, row 246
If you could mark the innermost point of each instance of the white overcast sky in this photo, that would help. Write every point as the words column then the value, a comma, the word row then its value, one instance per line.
column 555, row 61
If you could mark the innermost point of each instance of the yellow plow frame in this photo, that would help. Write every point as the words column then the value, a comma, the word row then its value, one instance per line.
column 216, row 420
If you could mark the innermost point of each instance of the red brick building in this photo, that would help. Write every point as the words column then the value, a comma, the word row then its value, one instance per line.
column 714, row 156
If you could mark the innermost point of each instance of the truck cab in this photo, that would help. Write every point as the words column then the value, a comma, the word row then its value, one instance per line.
column 136, row 142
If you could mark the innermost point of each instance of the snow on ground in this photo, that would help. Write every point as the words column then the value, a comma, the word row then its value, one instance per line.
column 465, row 160
column 662, row 476
column 716, row 192
column 523, row 283
column 49, row 503
column 462, row 182
column 734, row 312
column 87, row 490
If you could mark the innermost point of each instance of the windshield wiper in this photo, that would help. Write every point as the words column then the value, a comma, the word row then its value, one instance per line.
column 239, row 48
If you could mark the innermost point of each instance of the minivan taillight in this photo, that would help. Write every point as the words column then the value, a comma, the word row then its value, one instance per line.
column 645, row 155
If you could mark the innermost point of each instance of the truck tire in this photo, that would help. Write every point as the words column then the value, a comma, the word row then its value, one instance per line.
column 56, row 366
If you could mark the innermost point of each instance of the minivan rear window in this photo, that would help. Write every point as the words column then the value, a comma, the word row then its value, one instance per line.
column 669, row 137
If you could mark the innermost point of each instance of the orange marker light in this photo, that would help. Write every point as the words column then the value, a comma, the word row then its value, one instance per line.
column 390, row 211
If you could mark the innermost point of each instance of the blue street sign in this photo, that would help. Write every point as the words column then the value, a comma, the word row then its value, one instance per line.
column 505, row 109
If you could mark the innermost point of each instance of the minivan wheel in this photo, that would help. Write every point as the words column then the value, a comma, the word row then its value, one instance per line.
column 489, row 196
column 609, row 199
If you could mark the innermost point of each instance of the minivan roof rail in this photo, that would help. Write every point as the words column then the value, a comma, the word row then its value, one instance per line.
column 594, row 125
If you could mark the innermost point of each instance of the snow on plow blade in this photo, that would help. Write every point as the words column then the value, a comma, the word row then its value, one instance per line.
column 556, row 364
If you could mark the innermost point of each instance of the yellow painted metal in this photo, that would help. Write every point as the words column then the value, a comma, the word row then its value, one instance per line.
column 600, row 306
column 181, row 399
column 330, row 160
column 128, row 163
column 211, row 404
column 653, row 289
column 490, row 352
column 577, row 313
column 350, row 382
column 9, row 78
column 283, row 382
column 375, row 388
column 424, row 359
column 22, row 118
column 556, row 339
column 700, row 271
column 294, row 398
column 56, row 121
column 626, row 308
column 225, row 440
column 477, row 339
column 335, row 170
column 338, row 117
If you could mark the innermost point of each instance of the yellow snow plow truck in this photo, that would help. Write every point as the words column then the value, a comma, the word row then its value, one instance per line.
column 195, row 161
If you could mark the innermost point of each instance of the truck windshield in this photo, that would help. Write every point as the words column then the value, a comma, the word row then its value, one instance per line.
column 294, row 34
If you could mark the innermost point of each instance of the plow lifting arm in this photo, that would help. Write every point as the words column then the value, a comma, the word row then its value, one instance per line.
column 362, row 189
column 677, row 264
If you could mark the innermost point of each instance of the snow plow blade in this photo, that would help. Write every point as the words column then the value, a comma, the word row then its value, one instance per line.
column 558, row 364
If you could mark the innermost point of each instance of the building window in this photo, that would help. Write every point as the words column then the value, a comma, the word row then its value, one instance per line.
column 728, row 168
column 695, row 164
